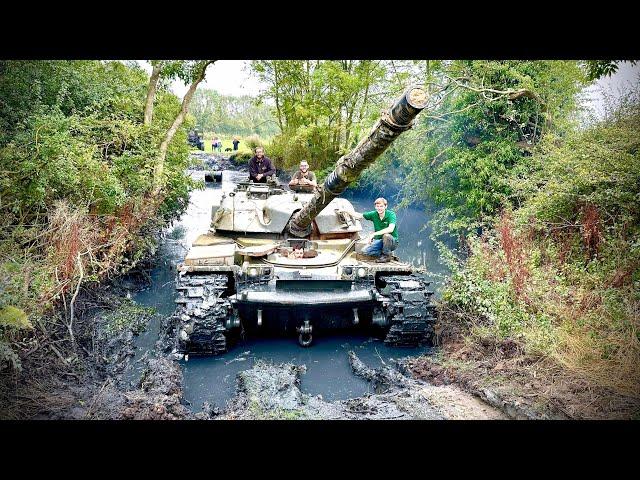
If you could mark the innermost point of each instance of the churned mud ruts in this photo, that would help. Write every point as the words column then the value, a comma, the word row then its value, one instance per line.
column 269, row 391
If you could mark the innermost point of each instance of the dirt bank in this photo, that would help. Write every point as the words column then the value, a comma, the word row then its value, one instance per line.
column 91, row 378
column 521, row 386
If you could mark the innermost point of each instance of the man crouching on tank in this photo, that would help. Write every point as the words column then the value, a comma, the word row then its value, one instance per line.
column 260, row 167
column 304, row 179
column 385, row 237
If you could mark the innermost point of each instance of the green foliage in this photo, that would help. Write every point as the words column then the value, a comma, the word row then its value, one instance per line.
column 577, row 248
column 72, row 134
column 128, row 316
column 253, row 142
column 185, row 70
column 14, row 318
column 599, row 68
column 466, row 147
column 229, row 115
column 320, row 106
column 492, row 305
column 307, row 143
column 241, row 158
column 94, row 154
column 600, row 167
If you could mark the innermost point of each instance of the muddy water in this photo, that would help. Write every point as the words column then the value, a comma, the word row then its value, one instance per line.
column 328, row 374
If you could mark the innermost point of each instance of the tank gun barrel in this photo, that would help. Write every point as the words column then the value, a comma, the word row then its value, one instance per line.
column 349, row 167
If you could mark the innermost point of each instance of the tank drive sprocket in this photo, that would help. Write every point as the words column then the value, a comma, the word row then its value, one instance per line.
column 410, row 312
column 204, row 314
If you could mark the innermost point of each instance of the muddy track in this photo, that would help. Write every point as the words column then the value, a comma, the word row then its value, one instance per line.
column 269, row 391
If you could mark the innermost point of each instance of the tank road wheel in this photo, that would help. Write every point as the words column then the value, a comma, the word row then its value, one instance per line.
column 203, row 313
column 410, row 313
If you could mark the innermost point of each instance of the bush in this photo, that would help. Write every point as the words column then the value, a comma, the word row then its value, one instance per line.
column 253, row 142
column 77, row 167
column 563, row 280
column 309, row 143
column 241, row 158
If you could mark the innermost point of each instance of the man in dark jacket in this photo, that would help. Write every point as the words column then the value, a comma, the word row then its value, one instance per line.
column 260, row 167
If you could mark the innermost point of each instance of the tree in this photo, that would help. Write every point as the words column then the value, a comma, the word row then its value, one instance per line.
column 318, row 104
column 165, row 70
column 597, row 69
column 76, row 165
column 226, row 114
column 484, row 120
column 151, row 91
column 195, row 72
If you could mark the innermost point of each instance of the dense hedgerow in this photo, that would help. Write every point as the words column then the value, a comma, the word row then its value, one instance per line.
column 77, row 166
column 561, row 274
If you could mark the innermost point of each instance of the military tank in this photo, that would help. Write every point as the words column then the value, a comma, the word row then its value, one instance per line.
column 194, row 138
column 290, row 260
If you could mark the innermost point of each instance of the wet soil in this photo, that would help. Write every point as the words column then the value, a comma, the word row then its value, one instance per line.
column 521, row 386
column 270, row 391
column 100, row 388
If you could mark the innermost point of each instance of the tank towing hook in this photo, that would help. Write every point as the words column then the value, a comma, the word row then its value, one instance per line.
column 305, row 338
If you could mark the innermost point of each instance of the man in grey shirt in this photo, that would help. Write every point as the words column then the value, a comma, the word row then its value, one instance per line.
column 303, row 179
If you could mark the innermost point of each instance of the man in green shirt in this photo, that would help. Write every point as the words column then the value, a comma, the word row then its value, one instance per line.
column 385, row 237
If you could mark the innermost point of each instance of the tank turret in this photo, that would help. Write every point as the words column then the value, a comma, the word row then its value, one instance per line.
column 349, row 167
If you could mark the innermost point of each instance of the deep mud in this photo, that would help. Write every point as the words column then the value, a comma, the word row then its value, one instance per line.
column 100, row 390
column 93, row 383
column 269, row 391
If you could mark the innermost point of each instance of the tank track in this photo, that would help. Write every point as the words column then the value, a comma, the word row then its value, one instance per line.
column 411, row 313
column 202, row 313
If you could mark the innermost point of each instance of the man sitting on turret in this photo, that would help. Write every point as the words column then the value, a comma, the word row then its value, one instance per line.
column 303, row 179
column 260, row 167
column 385, row 237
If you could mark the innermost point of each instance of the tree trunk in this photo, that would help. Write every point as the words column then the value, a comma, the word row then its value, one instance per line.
column 277, row 99
column 151, row 93
column 349, row 122
column 159, row 166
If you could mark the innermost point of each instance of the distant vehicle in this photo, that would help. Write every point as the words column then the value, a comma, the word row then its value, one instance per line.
column 195, row 139
column 213, row 176
column 291, row 260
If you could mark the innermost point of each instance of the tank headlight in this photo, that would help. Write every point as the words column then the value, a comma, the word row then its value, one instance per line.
column 362, row 272
column 347, row 270
column 253, row 272
column 266, row 271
